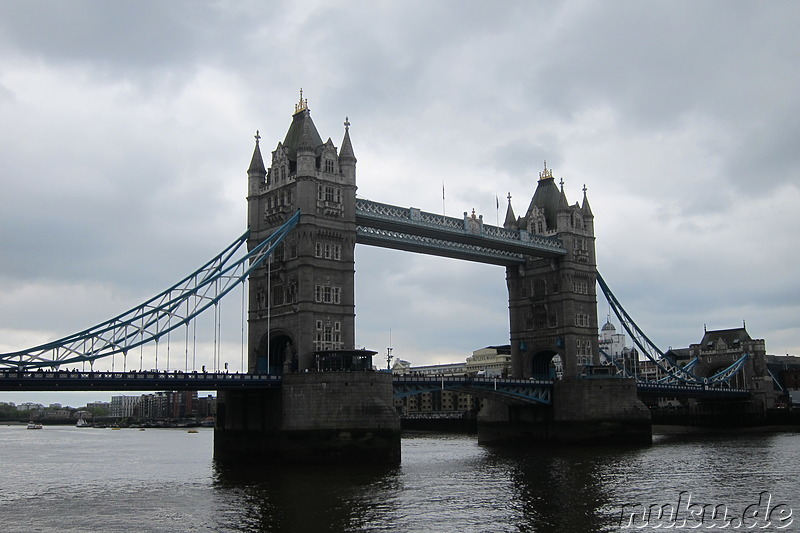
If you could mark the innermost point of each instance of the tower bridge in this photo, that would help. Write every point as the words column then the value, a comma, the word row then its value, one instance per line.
column 304, row 220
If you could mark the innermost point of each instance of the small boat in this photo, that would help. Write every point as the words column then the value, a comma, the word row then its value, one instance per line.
column 82, row 423
column 34, row 425
column 192, row 431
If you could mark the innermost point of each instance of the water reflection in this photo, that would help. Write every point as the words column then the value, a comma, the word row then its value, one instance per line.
column 450, row 483
column 304, row 498
column 559, row 490
column 446, row 483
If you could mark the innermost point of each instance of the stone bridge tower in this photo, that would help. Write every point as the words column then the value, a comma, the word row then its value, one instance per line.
column 553, row 317
column 553, row 302
column 303, row 300
column 301, row 320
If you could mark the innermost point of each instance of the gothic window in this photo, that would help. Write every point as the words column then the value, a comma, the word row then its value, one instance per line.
column 328, row 250
column 539, row 288
column 291, row 292
column 582, row 319
column 329, row 166
column 277, row 295
column 328, row 335
column 327, row 294
column 539, row 318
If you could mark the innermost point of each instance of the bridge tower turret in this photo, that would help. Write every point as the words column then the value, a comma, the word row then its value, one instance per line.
column 303, row 299
column 553, row 302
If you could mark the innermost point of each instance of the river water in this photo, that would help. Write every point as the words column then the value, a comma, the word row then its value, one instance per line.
column 66, row 479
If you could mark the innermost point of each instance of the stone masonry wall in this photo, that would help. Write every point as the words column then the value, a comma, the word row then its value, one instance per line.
column 338, row 400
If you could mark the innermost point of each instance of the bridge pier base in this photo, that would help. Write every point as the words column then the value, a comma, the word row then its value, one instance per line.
column 584, row 411
column 316, row 417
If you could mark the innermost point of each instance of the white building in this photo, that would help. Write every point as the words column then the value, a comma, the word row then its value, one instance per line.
column 611, row 342
column 123, row 406
column 492, row 361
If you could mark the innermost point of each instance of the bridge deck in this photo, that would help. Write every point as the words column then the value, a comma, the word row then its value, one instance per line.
column 134, row 381
column 503, row 389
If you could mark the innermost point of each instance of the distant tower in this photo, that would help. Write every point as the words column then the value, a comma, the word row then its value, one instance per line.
column 553, row 302
column 303, row 300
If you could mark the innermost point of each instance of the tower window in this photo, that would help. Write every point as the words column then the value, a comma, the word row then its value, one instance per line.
column 327, row 294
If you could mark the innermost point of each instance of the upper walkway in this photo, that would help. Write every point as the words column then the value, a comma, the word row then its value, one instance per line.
column 467, row 238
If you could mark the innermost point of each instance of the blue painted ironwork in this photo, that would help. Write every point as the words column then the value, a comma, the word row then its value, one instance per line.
column 466, row 238
column 669, row 371
column 696, row 390
column 518, row 391
column 427, row 245
column 62, row 380
column 623, row 371
column 151, row 320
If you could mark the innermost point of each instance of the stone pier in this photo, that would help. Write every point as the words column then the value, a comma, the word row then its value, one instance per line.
column 596, row 410
column 316, row 417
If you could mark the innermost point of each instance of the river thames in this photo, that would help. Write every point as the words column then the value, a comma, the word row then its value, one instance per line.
column 66, row 479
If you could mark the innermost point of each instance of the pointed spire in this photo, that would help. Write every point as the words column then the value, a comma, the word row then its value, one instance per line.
column 309, row 140
column 302, row 134
column 511, row 219
column 585, row 209
column 562, row 199
column 346, row 153
column 257, row 162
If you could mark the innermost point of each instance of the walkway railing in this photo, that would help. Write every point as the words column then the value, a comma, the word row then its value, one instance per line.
column 467, row 238
column 63, row 380
column 507, row 390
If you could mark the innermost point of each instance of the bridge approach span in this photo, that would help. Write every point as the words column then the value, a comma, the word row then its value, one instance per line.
column 134, row 381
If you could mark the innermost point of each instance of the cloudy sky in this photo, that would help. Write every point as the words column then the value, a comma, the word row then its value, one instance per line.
column 127, row 128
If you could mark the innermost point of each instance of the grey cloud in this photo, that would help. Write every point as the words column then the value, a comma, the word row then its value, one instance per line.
column 693, row 103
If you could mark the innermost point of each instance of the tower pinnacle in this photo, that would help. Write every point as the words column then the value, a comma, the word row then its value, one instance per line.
column 546, row 173
column 302, row 105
